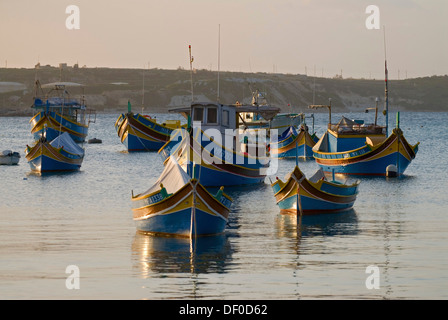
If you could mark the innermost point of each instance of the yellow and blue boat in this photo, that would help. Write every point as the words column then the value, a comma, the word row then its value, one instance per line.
column 142, row 133
column 213, row 144
column 57, row 111
column 351, row 148
column 178, row 205
column 291, row 144
column 299, row 195
column 60, row 154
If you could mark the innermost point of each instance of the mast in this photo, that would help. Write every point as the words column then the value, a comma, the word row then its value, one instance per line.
column 386, row 111
column 219, row 58
column 143, row 89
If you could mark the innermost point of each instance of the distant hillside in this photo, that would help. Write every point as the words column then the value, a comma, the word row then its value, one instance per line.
column 108, row 90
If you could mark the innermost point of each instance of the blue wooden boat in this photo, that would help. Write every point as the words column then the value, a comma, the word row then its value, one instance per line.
column 178, row 205
column 354, row 148
column 374, row 158
column 60, row 154
column 280, row 122
column 57, row 111
column 214, row 144
column 292, row 143
column 299, row 195
column 142, row 133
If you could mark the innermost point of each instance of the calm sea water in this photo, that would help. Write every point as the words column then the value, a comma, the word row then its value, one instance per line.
column 85, row 219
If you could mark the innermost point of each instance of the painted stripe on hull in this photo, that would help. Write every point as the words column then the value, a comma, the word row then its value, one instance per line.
column 375, row 167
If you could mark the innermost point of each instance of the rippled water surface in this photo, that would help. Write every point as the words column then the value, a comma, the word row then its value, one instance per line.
column 85, row 219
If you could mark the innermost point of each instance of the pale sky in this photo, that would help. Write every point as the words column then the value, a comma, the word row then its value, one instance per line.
column 285, row 36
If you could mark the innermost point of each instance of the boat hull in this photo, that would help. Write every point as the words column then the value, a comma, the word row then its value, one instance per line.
column 370, row 160
column 191, row 211
column 313, row 197
column 43, row 157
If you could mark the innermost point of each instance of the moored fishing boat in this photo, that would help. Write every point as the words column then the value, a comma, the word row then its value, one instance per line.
column 142, row 133
column 178, row 205
column 8, row 157
column 371, row 159
column 213, row 143
column 299, row 195
column 293, row 144
column 60, row 154
column 352, row 147
column 57, row 111
column 280, row 122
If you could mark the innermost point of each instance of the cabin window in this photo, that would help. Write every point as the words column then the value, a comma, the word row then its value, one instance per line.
column 198, row 114
column 225, row 117
column 212, row 115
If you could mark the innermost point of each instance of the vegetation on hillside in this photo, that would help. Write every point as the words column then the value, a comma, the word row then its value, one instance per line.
column 108, row 90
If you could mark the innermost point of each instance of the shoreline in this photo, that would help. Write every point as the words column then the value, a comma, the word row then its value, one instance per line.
column 117, row 112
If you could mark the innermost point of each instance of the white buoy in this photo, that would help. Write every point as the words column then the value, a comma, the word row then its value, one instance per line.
column 391, row 171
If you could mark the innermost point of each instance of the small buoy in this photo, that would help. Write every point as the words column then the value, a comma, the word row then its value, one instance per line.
column 391, row 171
column 95, row 140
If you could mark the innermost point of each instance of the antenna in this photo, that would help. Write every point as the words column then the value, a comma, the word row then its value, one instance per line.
column 143, row 89
column 314, row 89
column 386, row 111
column 219, row 58
column 191, row 73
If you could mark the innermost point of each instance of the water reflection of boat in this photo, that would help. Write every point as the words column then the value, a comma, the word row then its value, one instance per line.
column 343, row 223
column 173, row 254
